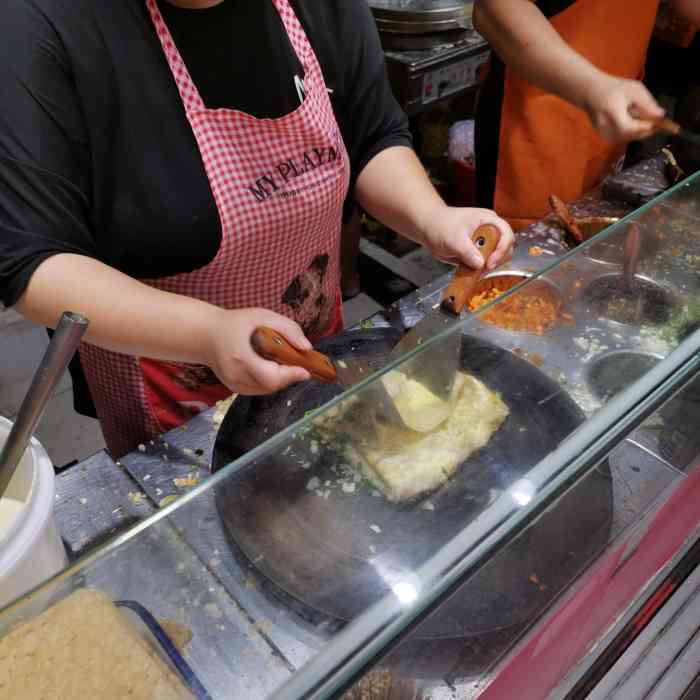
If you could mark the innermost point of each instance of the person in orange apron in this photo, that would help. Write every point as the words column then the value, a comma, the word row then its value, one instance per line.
column 562, row 98
column 162, row 348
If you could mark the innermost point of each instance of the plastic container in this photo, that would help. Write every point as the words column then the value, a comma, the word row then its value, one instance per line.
column 31, row 549
column 460, row 155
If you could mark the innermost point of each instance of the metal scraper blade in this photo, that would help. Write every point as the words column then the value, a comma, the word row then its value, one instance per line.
column 374, row 395
column 436, row 368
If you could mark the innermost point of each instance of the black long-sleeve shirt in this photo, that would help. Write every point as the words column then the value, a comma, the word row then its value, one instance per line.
column 96, row 154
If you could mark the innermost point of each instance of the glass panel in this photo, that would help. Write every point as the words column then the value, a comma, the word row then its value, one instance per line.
column 309, row 552
column 530, row 576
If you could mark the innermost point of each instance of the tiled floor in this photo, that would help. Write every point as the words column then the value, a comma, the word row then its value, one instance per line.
column 67, row 436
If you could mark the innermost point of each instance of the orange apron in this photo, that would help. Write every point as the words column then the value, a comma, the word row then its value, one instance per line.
column 547, row 144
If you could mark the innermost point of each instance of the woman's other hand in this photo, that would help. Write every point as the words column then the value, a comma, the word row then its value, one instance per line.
column 620, row 109
column 231, row 357
column 448, row 236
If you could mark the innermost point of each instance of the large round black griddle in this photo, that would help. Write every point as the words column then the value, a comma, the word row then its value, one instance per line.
column 325, row 552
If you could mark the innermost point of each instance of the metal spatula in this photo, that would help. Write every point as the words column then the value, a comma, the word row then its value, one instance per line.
column 436, row 369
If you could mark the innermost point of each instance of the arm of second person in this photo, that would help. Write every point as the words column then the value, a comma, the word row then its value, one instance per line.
column 394, row 188
column 690, row 9
column 527, row 42
column 130, row 317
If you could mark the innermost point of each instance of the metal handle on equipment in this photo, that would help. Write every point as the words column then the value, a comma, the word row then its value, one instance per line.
column 58, row 355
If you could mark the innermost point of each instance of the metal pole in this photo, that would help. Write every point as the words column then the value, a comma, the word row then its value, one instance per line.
column 59, row 353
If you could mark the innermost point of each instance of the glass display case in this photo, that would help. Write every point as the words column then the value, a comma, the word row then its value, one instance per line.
column 491, row 554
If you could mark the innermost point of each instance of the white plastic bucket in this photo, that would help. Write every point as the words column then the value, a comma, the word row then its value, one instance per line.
column 31, row 550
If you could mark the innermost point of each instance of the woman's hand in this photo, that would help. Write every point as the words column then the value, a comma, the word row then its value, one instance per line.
column 231, row 357
column 620, row 109
column 447, row 233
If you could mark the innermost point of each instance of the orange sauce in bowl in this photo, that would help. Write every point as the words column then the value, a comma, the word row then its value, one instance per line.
column 535, row 309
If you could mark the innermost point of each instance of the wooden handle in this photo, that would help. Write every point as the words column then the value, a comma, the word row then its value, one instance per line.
column 461, row 288
column 668, row 126
column 272, row 345
column 566, row 217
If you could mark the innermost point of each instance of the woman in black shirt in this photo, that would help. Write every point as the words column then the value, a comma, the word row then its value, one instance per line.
column 166, row 167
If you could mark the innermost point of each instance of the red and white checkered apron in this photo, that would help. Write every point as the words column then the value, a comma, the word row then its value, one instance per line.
column 279, row 187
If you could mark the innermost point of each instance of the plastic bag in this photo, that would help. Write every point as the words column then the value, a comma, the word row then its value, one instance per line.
column 461, row 142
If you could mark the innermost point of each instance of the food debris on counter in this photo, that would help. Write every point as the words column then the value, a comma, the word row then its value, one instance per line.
column 221, row 409
column 136, row 497
column 375, row 528
column 264, row 626
column 536, row 251
column 167, row 501
column 313, row 483
column 534, row 579
column 590, row 346
column 179, row 634
column 212, row 610
column 533, row 358
column 191, row 479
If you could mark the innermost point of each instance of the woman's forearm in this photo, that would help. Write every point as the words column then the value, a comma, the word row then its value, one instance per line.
column 125, row 315
column 395, row 189
column 527, row 43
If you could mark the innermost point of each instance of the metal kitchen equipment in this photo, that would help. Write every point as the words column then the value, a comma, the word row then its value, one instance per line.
column 421, row 16
column 432, row 52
